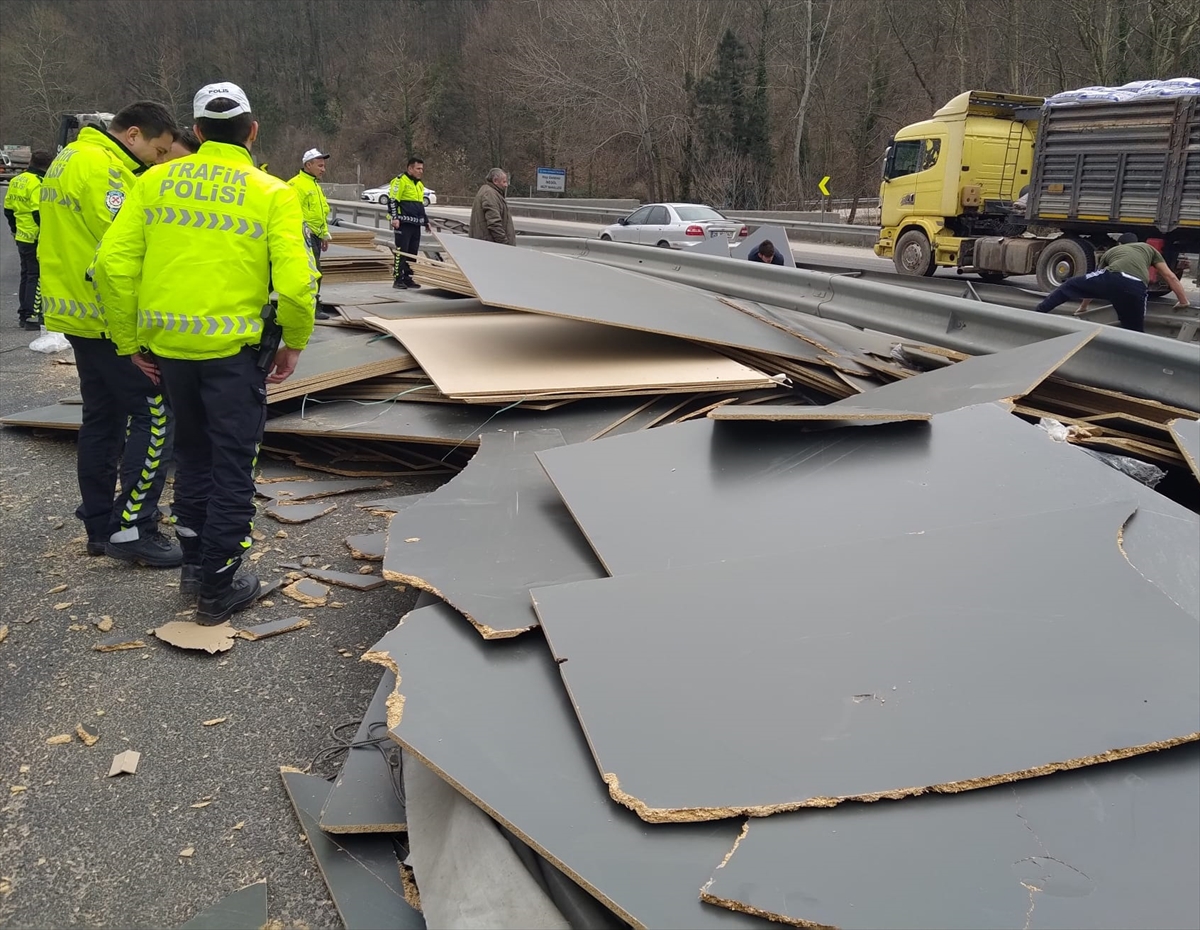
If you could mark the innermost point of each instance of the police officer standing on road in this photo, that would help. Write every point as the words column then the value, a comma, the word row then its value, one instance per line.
column 316, row 210
column 126, row 426
column 185, row 269
column 21, row 209
column 406, row 207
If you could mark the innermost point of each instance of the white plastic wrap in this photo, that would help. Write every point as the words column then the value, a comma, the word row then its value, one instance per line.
column 49, row 342
column 1147, row 474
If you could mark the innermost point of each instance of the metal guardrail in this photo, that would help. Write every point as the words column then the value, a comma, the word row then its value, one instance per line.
column 863, row 234
column 1116, row 359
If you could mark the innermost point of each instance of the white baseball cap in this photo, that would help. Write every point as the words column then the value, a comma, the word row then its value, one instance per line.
column 210, row 92
column 311, row 154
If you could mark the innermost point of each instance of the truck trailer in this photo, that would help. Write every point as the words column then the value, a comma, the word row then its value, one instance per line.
column 1000, row 184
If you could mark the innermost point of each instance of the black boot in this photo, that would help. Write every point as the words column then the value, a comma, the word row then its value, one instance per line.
column 190, row 574
column 399, row 284
column 411, row 284
column 152, row 549
column 223, row 594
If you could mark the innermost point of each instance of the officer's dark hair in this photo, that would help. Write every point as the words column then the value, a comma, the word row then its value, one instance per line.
column 153, row 119
column 40, row 160
column 1126, row 238
column 188, row 139
column 766, row 247
column 413, row 160
column 233, row 131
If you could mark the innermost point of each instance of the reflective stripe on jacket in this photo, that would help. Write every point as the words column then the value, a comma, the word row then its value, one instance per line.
column 82, row 191
column 24, row 192
column 184, row 270
column 406, row 200
column 312, row 203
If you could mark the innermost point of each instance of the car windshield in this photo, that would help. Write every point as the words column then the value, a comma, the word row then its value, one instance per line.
column 692, row 212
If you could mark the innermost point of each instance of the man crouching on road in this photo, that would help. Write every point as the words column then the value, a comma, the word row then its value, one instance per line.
column 187, row 303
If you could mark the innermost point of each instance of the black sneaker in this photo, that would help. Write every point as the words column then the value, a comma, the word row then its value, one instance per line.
column 218, row 603
column 411, row 284
column 153, row 550
column 189, row 582
column 399, row 284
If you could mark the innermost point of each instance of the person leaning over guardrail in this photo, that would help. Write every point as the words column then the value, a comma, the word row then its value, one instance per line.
column 184, row 272
column 1123, row 279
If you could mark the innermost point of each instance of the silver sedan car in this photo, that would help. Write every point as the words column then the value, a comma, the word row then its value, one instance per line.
column 672, row 226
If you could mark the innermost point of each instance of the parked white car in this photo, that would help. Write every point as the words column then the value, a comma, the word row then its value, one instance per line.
column 673, row 226
column 380, row 195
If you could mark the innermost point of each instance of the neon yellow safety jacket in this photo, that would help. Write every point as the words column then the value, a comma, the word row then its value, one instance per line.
column 184, row 270
column 22, row 198
column 406, row 200
column 82, row 191
column 313, row 203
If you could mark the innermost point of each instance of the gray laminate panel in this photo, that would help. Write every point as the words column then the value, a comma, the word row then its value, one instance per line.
column 947, row 658
column 1111, row 846
column 492, row 718
column 488, row 535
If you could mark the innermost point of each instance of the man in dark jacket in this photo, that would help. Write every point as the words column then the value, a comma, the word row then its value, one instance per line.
column 765, row 253
column 490, row 219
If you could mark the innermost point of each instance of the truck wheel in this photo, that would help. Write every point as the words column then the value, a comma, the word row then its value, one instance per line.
column 914, row 255
column 1064, row 258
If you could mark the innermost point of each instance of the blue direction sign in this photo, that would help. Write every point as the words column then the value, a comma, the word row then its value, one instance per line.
column 553, row 180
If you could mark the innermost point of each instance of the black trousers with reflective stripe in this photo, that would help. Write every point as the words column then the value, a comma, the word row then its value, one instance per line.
column 29, row 278
column 220, row 407
column 408, row 239
column 126, row 432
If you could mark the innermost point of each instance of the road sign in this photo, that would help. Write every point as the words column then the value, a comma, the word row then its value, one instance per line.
column 552, row 179
column 824, row 185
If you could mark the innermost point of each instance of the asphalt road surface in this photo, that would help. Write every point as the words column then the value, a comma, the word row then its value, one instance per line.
column 83, row 850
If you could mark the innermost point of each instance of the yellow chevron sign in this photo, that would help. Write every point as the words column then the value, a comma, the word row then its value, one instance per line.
column 824, row 185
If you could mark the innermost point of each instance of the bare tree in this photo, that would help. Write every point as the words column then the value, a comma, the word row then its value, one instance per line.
column 42, row 71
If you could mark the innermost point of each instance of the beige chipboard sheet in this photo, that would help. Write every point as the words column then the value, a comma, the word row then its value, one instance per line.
column 534, row 355
column 525, row 279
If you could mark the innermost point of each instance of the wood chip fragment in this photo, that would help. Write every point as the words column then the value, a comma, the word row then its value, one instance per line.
column 258, row 535
column 57, row 589
column 89, row 739
column 118, row 642
column 61, row 740
column 214, row 721
column 77, row 628
column 62, row 605
column 238, row 825
column 187, row 852
column 125, row 763
column 412, row 539
column 3, row 632
column 366, row 569
column 281, row 534
column 104, row 624
column 17, row 789
column 200, row 804
column 308, row 592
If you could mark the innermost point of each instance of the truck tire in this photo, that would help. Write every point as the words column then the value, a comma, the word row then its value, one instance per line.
column 914, row 255
column 1064, row 258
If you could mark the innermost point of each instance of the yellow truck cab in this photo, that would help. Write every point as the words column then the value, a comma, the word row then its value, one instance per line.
column 973, row 158
column 1000, row 184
